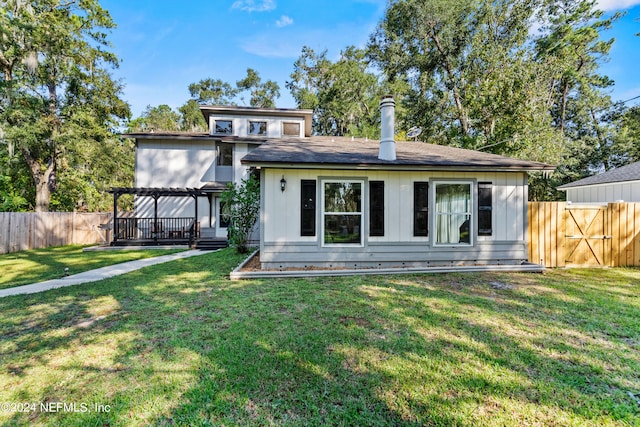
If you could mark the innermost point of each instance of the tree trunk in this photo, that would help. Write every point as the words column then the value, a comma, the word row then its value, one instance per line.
column 42, row 180
column 43, row 192
column 463, row 117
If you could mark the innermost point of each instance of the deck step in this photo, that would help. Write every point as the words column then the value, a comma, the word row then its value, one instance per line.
column 211, row 244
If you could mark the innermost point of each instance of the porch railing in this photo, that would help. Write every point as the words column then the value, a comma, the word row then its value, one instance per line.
column 157, row 229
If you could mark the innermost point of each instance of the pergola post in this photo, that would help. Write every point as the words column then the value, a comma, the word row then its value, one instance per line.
column 155, row 217
column 115, row 216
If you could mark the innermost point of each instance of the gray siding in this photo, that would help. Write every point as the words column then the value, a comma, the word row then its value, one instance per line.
column 605, row 193
column 282, row 246
column 398, row 254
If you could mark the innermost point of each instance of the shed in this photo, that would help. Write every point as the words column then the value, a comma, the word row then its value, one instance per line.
column 619, row 184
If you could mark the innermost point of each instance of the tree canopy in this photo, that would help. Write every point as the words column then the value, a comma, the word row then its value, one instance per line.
column 514, row 77
column 480, row 78
column 58, row 102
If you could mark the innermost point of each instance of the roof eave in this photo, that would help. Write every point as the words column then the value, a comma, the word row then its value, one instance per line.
column 203, row 137
column 400, row 167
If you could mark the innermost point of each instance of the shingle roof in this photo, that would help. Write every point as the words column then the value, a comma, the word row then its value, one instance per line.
column 625, row 173
column 345, row 152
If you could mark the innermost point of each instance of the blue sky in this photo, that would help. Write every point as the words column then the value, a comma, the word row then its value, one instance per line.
column 164, row 48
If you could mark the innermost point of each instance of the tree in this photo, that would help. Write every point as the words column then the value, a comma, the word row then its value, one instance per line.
column 56, row 95
column 192, row 119
column 156, row 119
column 217, row 92
column 241, row 207
column 210, row 91
column 479, row 79
column 343, row 94
column 472, row 79
column 262, row 95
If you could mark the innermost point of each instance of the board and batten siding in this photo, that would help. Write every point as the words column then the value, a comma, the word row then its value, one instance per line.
column 283, row 246
column 628, row 191
column 181, row 164
column 241, row 124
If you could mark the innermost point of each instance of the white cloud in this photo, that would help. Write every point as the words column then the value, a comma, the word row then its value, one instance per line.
column 254, row 6
column 284, row 21
column 609, row 5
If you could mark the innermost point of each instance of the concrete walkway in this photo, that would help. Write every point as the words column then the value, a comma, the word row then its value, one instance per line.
column 98, row 274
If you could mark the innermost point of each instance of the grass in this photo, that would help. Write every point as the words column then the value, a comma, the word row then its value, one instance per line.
column 180, row 344
column 37, row 265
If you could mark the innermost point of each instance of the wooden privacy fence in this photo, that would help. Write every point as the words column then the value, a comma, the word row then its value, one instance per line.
column 30, row 230
column 569, row 235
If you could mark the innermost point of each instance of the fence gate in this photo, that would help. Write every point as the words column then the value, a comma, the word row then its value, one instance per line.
column 569, row 235
column 587, row 243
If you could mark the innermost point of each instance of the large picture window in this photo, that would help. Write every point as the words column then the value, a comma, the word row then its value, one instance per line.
column 453, row 213
column 342, row 212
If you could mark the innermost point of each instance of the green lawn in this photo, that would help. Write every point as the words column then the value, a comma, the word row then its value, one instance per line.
column 180, row 344
column 37, row 265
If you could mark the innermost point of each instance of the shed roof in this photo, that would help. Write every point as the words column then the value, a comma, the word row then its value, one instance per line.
column 348, row 153
column 624, row 173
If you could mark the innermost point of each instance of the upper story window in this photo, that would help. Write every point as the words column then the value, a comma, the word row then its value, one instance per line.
column 223, row 127
column 257, row 128
column 225, row 154
column 290, row 129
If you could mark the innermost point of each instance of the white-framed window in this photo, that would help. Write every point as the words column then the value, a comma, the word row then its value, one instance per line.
column 224, row 127
column 290, row 129
column 453, row 213
column 257, row 128
column 342, row 212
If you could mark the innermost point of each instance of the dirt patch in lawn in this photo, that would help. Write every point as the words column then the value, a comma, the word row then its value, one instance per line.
column 253, row 264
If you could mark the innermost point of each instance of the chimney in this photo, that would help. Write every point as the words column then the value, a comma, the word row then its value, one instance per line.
column 387, row 144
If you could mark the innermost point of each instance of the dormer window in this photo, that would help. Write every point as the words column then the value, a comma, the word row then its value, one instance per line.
column 257, row 128
column 224, row 127
column 290, row 129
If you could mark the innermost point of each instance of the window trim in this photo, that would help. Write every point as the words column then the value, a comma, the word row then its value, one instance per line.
column 219, row 146
column 215, row 121
column 323, row 213
column 266, row 126
column 471, row 212
column 284, row 123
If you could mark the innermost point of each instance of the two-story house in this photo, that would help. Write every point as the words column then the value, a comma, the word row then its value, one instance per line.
column 331, row 201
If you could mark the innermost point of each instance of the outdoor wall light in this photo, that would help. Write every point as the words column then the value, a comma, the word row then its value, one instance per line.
column 283, row 183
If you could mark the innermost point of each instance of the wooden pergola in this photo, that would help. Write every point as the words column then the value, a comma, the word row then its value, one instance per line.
column 153, row 229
